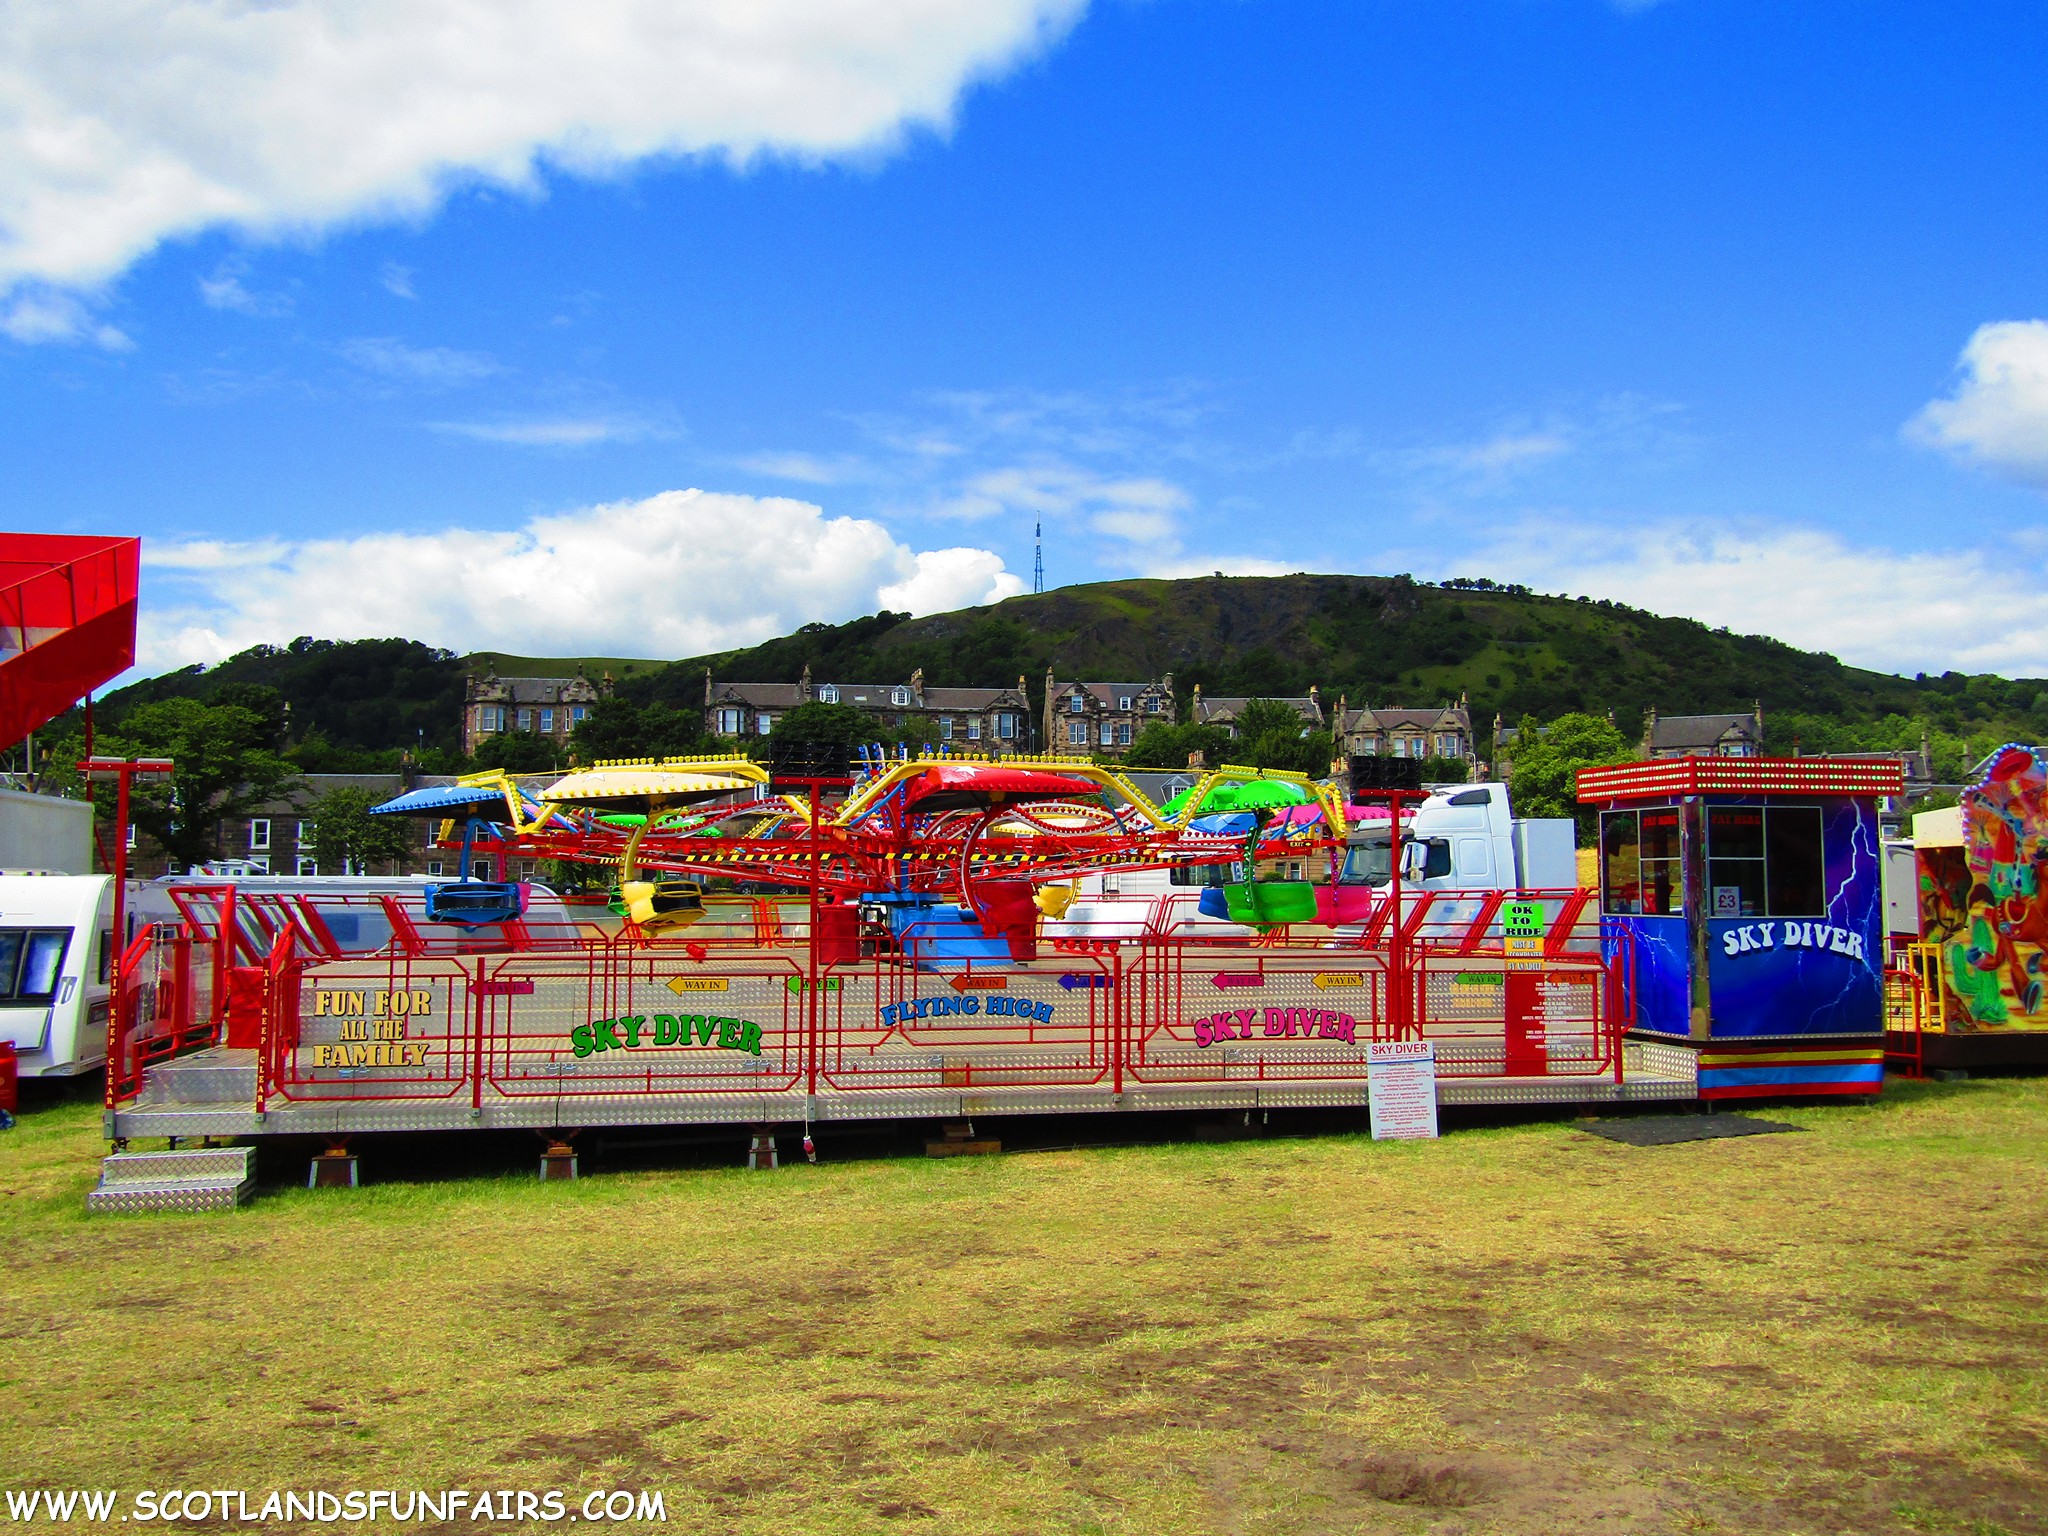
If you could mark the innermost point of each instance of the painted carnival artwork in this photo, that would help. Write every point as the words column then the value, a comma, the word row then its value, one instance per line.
column 1983, row 905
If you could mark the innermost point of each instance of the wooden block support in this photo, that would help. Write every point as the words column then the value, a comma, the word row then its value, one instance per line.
column 957, row 1141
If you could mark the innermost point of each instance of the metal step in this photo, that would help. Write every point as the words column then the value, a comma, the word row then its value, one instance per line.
column 203, row 1179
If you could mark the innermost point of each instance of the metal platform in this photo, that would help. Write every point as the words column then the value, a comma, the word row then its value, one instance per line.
column 202, row 1179
column 183, row 1098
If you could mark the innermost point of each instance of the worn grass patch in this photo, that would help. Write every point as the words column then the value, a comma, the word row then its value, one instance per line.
column 1523, row 1330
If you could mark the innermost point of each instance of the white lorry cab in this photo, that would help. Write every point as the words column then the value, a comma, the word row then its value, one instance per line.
column 1466, row 837
column 56, row 962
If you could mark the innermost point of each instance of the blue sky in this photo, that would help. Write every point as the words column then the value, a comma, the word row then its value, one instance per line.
column 647, row 338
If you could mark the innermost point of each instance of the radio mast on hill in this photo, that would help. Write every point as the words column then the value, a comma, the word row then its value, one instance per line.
column 1038, row 555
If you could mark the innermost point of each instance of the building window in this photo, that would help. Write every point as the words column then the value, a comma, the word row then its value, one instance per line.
column 525, row 719
column 899, row 696
column 1076, row 703
column 828, row 694
column 489, row 719
column 1450, row 746
column 131, row 834
column 1152, row 705
column 1006, row 727
column 945, row 727
column 305, row 835
column 1108, row 734
column 576, row 715
column 974, row 727
column 1123, row 701
column 1077, row 733
column 481, row 868
column 259, row 832
column 730, row 722
column 437, row 867
column 764, row 723
column 1123, row 733
column 547, row 720
column 308, row 866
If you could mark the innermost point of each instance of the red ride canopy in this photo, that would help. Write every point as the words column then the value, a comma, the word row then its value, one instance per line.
column 972, row 786
column 67, row 623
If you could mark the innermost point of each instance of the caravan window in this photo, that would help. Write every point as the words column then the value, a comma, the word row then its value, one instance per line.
column 30, row 960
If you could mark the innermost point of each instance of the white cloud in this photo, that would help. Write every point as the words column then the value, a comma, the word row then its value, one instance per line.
column 40, row 314
column 127, row 122
column 552, row 432
column 225, row 290
column 441, row 366
column 808, row 468
column 1060, row 490
column 1871, row 606
column 677, row 574
column 397, row 280
column 1998, row 414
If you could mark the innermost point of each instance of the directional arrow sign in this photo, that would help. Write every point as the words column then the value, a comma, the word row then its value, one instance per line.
column 680, row 985
column 981, row 983
column 1238, row 979
column 1092, row 979
column 1329, row 979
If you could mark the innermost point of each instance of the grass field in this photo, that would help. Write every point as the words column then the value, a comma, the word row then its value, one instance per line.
column 1522, row 1329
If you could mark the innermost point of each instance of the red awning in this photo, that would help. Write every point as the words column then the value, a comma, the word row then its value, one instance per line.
column 970, row 786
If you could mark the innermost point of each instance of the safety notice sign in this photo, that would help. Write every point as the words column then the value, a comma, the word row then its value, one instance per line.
column 1400, row 1080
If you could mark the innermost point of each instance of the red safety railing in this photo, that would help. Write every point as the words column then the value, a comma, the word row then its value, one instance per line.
column 164, row 1006
column 355, row 1000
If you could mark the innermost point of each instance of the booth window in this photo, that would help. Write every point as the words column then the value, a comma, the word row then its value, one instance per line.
column 1639, row 863
column 1765, row 861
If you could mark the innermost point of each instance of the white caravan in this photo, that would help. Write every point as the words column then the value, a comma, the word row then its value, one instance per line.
column 56, row 957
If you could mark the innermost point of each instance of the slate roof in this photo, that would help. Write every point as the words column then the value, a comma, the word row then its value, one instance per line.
column 1674, row 733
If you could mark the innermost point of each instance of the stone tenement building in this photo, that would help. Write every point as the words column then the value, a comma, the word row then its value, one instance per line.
column 1444, row 732
column 1224, row 712
column 550, row 707
column 991, row 720
column 1091, row 719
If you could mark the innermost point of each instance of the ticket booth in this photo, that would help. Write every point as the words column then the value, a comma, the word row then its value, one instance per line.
column 1748, row 897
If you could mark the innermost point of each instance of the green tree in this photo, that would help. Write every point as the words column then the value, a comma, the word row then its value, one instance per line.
column 618, row 728
column 1271, row 734
column 823, row 725
column 344, row 832
column 1160, row 745
column 1546, row 764
column 519, row 752
column 224, row 767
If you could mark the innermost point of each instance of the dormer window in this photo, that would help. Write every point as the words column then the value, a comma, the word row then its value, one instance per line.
column 899, row 697
column 1123, row 702
column 1076, row 703
column 828, row 694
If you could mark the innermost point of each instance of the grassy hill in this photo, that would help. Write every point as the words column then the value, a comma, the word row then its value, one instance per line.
column 1379, row 640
